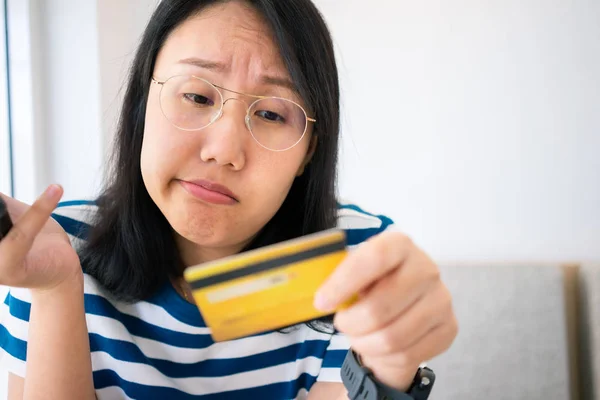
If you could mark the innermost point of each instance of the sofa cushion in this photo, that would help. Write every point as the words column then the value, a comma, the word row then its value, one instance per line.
column 512, row 341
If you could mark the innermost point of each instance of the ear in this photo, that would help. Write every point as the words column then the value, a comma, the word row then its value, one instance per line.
column 312, row 147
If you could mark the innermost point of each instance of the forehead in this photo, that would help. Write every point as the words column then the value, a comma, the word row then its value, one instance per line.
column 231, row 34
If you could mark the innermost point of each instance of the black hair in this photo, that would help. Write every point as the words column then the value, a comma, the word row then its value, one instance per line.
column 131, row 249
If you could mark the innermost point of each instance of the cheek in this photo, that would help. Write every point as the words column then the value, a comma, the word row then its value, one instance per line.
column 153, row 160
column 276, row 174
column 158, row 165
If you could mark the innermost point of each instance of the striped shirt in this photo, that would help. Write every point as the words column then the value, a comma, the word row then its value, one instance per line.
column 161, row 348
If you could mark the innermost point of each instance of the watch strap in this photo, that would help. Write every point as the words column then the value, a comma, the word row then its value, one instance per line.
column 361, row 385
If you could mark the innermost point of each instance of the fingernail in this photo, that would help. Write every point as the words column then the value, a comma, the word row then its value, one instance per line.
column 322, row 302
column 52, row 192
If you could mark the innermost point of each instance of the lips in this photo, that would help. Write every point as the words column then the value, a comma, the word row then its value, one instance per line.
column 210, row 191
column 215, row 187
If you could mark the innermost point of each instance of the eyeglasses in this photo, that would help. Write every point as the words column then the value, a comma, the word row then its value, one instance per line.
column 191, row 103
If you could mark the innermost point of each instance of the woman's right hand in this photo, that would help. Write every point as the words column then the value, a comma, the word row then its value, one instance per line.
column 37, row 253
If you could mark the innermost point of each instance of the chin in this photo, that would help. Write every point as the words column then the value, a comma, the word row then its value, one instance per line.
column 206, row 226
column 200, row 228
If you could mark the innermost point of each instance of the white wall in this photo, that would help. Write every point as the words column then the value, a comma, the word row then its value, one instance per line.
column 72, row 108
column 475, row 124
column 68, row 60
column 120, row 25
column 55, row 96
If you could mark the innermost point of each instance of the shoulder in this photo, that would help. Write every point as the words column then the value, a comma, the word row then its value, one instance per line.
column 76, row 218
column 359, row 224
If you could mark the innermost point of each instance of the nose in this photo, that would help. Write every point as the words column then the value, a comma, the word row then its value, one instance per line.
column 226, row 138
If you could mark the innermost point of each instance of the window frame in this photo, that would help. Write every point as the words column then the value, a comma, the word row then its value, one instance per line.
column 6, row 148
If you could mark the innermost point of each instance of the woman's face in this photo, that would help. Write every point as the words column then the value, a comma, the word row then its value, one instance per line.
column 228, row 45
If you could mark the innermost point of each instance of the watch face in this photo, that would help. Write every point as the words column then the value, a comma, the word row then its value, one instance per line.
column 422, row 384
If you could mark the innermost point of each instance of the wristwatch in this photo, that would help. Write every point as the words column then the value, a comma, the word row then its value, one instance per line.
column 362, row 385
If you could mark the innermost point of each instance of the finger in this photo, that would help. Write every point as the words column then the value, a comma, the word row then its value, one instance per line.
column 428, row 312
column 16, row 244
column 362, row 267
column 436, row 341
column 401, row 367
column 389, row 297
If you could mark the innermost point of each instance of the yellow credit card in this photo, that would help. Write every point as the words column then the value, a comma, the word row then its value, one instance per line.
column 267, row 288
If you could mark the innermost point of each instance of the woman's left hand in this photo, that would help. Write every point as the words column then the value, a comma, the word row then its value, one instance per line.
column 403, row 315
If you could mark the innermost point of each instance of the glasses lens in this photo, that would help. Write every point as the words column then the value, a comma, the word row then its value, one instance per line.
column 190, row 103
column 277, row 124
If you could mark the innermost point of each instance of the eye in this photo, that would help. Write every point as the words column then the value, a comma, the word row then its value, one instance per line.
column 270, row 116
column 198, row 99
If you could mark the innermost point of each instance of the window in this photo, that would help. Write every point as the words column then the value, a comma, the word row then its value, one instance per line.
column 6, row 184
column 5, row 156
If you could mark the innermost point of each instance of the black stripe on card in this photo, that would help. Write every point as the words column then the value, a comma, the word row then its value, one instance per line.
column 268, row 265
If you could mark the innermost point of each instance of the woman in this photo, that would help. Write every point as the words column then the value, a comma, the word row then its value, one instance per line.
column 227, row 141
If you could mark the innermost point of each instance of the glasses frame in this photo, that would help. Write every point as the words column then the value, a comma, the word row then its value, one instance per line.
column 220, row 90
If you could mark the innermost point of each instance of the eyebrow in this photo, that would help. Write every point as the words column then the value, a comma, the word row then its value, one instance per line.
column 277, row 81
column 222, row 67
column 205, row 64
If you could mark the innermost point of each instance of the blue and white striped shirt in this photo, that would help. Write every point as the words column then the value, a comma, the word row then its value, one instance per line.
column 161, row 348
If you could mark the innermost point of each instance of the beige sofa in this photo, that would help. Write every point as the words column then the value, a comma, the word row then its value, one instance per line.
column 526, row 332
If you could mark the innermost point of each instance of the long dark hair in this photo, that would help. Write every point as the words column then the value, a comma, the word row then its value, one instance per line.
column 131, row 249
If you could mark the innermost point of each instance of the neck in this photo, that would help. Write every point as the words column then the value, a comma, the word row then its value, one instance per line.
column 194, row 254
